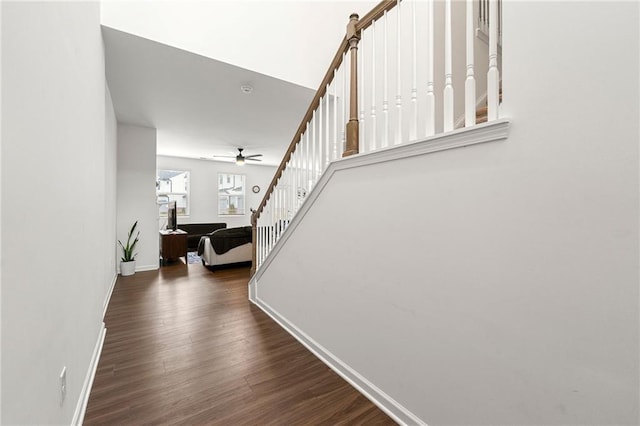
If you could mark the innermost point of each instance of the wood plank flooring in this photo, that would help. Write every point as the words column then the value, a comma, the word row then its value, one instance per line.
column 185, row 346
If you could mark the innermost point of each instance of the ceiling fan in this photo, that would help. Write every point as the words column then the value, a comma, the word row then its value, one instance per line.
column 240, row 159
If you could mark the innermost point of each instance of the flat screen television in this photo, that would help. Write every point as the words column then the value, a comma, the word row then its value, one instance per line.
column 172, row 216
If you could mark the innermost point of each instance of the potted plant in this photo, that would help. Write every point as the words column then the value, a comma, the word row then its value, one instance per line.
column 128, row 260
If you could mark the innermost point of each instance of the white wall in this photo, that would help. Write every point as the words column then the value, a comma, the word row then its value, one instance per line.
column 310, row 30
column 508, row 292
column 53, row 179
column 1, row 259
column 136, row 197
column 204, row 188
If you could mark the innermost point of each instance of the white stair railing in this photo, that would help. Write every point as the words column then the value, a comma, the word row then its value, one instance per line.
column 393, row 52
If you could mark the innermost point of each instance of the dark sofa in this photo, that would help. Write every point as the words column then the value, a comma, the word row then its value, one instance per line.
column 197, row 230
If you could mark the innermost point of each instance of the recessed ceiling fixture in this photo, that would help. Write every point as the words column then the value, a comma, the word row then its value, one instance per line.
column 246, row 89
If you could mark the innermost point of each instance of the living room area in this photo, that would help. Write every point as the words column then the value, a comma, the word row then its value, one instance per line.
column 208, row 196
column 187, row 152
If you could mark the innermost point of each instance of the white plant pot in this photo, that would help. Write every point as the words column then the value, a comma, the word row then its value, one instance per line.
column 127, row 268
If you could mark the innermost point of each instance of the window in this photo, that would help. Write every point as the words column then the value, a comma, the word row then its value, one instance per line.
column 230, row 194
column 173, row 185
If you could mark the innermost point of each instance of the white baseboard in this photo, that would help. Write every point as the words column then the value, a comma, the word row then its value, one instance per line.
column 387, row 404
column 109, row 293
column 81, row 407
column 143, row 268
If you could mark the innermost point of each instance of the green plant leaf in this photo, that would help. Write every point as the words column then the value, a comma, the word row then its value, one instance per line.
column 127, row 249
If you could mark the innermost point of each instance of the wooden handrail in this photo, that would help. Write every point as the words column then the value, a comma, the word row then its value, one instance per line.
column 349, row 42
column 328, row 78
column 363, row 23
column 375, row 13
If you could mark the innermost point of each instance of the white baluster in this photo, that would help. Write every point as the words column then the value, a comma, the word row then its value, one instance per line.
column 499, row 22
column 258, row 242
column 413, row 130
column 320, row 133
column 283, row 206
column 300, row 177
column 263, row 241
column 307, row 182
column 470, row 82
column 373, row 141
column 362, row 146
column 274, row 215
column 301, row 152
column 493, row 76
column 287, row 193
column 264, row 234
column 277, row 212
column 327, row 137
column 448, row 73
column 265, row 214
column 385, row 84
column 335, row 115
column 345, row 116
column 431, row 98
column 292, row 192
column 270, row 226
column 297, row 178
column 398, row 133
column 313, row 148
column 281, row 209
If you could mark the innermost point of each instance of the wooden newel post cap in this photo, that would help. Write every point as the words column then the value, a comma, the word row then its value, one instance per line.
column 351, row 27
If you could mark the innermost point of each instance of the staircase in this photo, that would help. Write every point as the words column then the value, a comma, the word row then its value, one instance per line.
column 382, row 90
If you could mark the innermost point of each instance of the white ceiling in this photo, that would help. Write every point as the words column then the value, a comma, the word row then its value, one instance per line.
column 196, row 104
column 293, row 40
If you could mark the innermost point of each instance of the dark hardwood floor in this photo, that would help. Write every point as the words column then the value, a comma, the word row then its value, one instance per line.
column 185, row 346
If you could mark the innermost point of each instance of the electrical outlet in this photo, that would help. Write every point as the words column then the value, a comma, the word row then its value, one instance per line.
column 63, row 385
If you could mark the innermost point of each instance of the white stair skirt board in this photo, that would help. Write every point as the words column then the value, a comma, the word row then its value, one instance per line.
column 83, row 400
column 387, row 404
column 493, row 131
column 487, row 132
column 253, row 293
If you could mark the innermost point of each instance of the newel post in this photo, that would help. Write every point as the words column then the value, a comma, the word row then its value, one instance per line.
column 353, row 36
column 254, row 239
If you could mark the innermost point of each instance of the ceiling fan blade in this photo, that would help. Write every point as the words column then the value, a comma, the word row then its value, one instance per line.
column 252, row 159
column 224, row 156
column 254, row 155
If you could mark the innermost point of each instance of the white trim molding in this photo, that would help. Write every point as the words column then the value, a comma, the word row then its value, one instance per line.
column 392, row 408
column 81, row 407
column 143, row 268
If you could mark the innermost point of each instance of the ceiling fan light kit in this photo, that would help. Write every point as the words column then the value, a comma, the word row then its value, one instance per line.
column 240, row 158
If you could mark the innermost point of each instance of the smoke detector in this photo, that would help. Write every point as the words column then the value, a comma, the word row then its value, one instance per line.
column 246, row 89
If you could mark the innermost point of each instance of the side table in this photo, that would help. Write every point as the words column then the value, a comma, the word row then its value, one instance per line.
column 173, row 245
